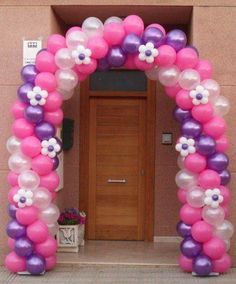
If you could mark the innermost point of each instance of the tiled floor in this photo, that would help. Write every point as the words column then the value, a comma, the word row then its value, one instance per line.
column 124, row 252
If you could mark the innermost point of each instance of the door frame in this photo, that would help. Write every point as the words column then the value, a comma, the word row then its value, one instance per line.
column 150, row 96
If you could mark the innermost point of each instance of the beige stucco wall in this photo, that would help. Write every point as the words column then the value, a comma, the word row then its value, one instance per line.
column 212, row 31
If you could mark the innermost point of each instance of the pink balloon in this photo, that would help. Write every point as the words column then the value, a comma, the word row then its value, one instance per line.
column 15, row 263
column 209, row 179
column 129, row 62
column 50, row 181
column 50, row 262
column 203, row 112
column 37, row 232
column 42, row 165
column 18, row 109
column 81, row 77
column 190, row 215
column 46, row 81
column 181, row 194
column 98, row 46
column 45, row 62
column 222, row 264
column 166, row 56
column 202, row 231
column 222, row 144
column 226, row 194
column 55, row 42
column 11, row 243
column 11, row 193
column 133, row 24
column 53, row 102
column 31, row 146
column 216, row 127
column 54, row 117
column 54, row 195
column 114, row 33
column 195, row 163
column 183, row 100
column 172, row 90
column 47, row 248
column 186, row 58
column 12, row 178
column 27, row 215
column 73, row 29
column 21, row 128
column 158, row 27
column 142, row 65
column 215, row 248
column 87, row 68
column 204, row 68
column 186, row 263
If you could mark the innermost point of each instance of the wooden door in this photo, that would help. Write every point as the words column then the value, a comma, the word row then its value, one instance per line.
column 117, row 134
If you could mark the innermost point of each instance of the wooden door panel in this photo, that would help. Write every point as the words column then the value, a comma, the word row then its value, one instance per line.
column 117, row 152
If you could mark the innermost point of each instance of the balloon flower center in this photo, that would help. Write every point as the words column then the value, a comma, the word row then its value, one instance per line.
column 185, row 146
column 199, row 96
column 38, row 97
column 22, row 199
column 81, row 56
column 148, row 53
column 50, row 148
column 215, row 197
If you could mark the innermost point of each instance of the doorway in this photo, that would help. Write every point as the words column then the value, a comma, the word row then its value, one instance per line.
column 117, row 146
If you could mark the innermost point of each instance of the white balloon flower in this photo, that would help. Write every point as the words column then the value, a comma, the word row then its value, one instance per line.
column 147, row 52
column 199, row 95
column 37, row 96
column 81, row 55
column 213, row 197
column 185, row 146
column 23, row 198
column 50, row 147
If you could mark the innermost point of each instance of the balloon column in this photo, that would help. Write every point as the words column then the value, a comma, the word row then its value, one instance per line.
column 37, row 113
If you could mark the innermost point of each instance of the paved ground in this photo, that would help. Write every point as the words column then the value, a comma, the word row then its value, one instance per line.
column 96, row 274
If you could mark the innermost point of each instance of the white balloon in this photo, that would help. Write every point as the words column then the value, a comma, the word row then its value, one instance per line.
column 42, row 198
column 195, row 197
column 152, row 74
column 92, row 26
column 19, row 162
column 66, row 79
column 50, row 214
column 225, row 230
column 189, row 79
column 227, row 243
column 213, row 216
column 185, row 179
column 221, row 106
column 66, row 95
column 63, row 59
column 53, row 229
column 180, row 161
column 29, row 180
column 113, row 19
column 213, row 88
column 76, row 38
column 13, row 144
column 168, row 76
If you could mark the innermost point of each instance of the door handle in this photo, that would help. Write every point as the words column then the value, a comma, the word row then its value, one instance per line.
column 116, row 180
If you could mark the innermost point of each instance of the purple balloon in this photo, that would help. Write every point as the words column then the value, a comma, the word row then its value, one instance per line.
column 23, row 90
column 154, row 35
column 34, row 114
column 12, row 211
column 103, row 64
column 183, row 229
column 15, row 230
column 131, row 43
column 190, row 248
column 202, row 265
column 177, row 39
column 206, row 145
column 225, row 177
column 28, row 73
column 55, row 162
column 180, row 114
column 218, row 162
column 35, row 264
column 44, row 130
column 116, row 56
column 191, row 128
column 23, row 247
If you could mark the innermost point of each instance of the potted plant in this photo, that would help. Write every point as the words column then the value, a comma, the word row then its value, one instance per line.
column 71, row 230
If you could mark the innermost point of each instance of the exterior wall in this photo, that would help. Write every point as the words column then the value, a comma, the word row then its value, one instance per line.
column 212, row 32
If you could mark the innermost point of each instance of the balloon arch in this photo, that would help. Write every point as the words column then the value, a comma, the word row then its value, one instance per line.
column 37, row 114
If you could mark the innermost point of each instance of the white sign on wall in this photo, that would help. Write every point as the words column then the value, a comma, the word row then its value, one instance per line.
column 30, row 50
